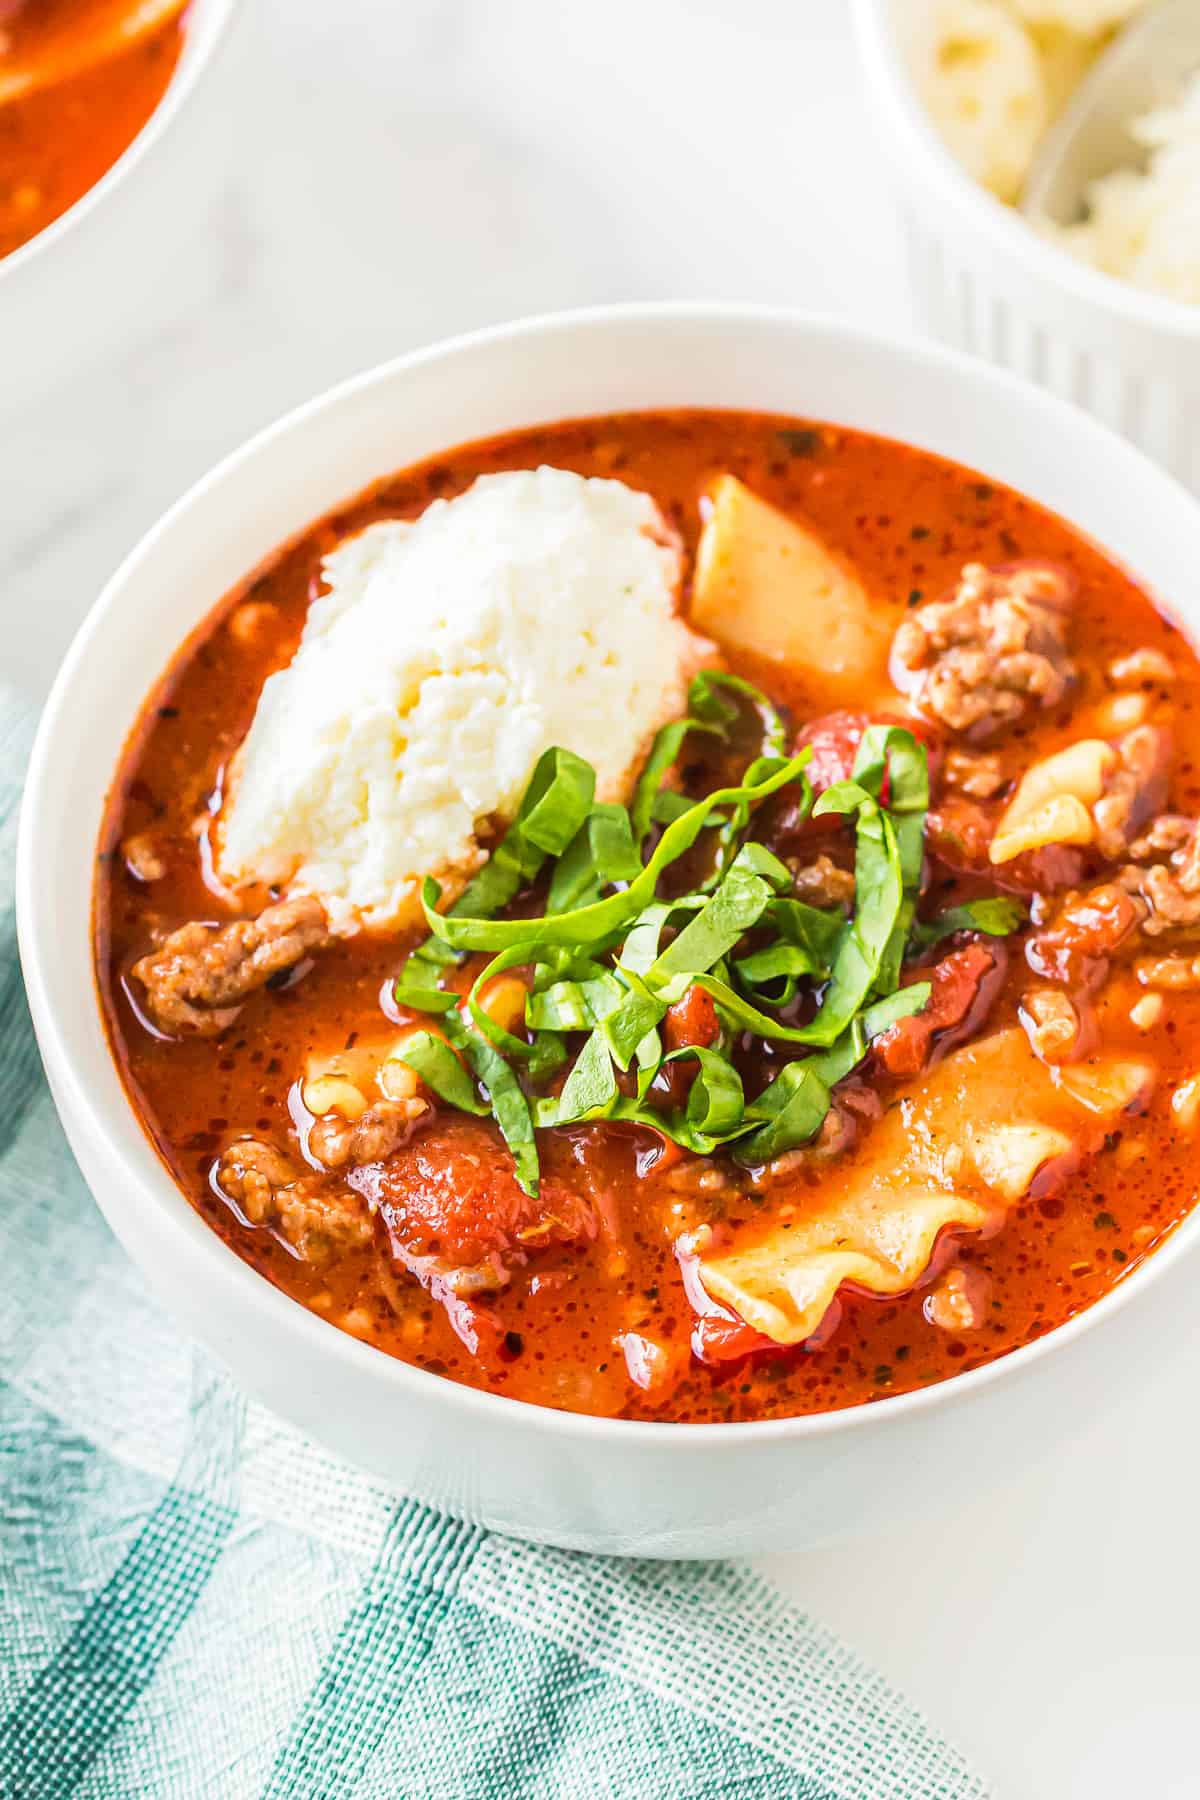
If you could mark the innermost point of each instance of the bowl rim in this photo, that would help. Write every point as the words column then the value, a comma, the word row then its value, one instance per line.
column 157, row 1190
column 961, row 194
column 203, row 36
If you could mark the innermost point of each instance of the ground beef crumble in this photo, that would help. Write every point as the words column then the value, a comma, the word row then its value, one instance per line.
column 314, row 1214
column 198, row 977
column 992, row 652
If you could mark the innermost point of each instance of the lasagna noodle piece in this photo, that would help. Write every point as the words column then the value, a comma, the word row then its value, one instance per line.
column 768, row 584
column 959, row 1147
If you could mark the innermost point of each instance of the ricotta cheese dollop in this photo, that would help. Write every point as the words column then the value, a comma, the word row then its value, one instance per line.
column 538, row 608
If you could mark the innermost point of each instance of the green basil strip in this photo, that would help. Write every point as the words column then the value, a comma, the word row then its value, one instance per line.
column 736, row 906
column 994, row 917
column 806, row 946
column 574, row 1005
column 894, row 748
column 864, row 946
column 670, row 1125
column 722, row 921
column 649, row 1059
column 740, row 1015
column 640, row 949
column 589, row 1091
column 610, row 830
column 601, row 853
column 731, row 829
column 810, row 928
column 758, row 860
column 669, row 806
column 423, row 999
column 664, row 752
column 503, row 1041
column 509, row 1106
column 548, row 1055
column 706, row 702
column 887, row 975
column 794, row 1106
column 557, row 800
column 716, row 1101
column 557, row 962
column 883, row 1013
column 434, row 1061
column 776, row 971
column 843, row 797
column 586, row 924
column 907, row 763
column 552, row 809
column 708, row 711
column 639, row 1012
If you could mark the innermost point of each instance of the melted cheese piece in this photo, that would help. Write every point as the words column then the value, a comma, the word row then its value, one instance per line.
column 956, row 1150
column 1054, row 800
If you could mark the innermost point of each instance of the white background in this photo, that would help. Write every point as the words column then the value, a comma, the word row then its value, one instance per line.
column 403, row 169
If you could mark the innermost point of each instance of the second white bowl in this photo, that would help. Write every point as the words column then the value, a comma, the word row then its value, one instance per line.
column 65, row 290
column 985, row 282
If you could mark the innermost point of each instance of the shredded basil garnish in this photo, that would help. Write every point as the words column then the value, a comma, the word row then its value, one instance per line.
column 995, row 916
column 606, row 955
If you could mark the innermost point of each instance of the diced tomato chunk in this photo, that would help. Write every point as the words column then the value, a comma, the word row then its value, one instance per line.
column 716, row 1339
column 958, row 991
column 692, row 1021
column 452, row 1193
column 834, row 740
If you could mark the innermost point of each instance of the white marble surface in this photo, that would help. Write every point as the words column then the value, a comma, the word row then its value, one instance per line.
column 408, row 171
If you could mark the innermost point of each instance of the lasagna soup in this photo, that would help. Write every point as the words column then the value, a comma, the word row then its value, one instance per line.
column 688, row 915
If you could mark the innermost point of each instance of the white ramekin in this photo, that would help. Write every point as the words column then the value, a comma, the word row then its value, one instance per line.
column 63, row 291
column 592, row 1484
column 982, row 280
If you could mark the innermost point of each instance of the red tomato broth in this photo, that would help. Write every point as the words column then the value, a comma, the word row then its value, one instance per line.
column 908, row 522
column 57, row 142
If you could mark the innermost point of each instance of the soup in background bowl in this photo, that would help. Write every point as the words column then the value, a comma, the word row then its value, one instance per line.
column 94, row 176
column 785, row 1059
column 77, row 84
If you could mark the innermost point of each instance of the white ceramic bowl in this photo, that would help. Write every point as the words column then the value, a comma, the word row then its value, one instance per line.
column 61, row 291
column 984, row 281
column 593, row 1484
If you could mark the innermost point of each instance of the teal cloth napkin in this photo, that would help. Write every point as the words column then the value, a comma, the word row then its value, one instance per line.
column 196, row 1602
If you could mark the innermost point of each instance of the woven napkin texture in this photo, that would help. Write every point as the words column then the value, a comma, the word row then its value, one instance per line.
column 196, row 1602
